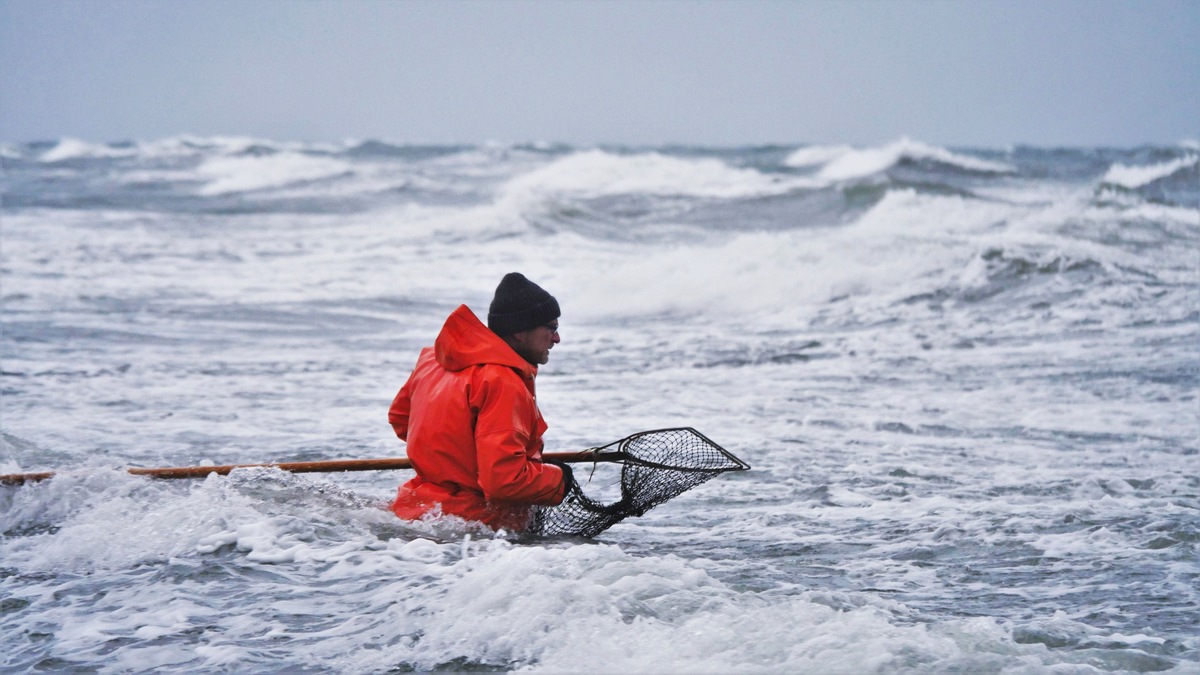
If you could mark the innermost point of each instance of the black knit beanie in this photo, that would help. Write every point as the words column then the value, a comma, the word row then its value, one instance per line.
column 519, row 305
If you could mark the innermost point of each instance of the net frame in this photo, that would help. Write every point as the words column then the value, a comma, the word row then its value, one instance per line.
column 656, row 466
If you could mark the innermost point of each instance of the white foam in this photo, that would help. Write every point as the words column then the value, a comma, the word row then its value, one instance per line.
column 1134, row 177
column 247, row 173
column 363, row 606
column 541, row 609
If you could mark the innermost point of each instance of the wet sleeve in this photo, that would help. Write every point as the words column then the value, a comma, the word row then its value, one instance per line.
column 503, row 433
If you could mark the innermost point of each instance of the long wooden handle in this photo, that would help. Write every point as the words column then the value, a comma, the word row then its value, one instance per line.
column 381, row 464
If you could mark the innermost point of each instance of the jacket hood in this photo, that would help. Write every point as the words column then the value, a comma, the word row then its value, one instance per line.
column 465, row 342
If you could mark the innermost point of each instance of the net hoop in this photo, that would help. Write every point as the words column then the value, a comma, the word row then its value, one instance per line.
column 656, row 466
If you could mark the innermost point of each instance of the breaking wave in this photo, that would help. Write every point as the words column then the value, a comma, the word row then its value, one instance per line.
column 1133, row 177
column 843, row 163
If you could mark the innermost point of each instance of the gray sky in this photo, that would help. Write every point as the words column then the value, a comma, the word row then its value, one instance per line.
column 983, row 73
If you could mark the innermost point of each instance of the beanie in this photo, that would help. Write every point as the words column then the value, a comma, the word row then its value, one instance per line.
column 520, row 305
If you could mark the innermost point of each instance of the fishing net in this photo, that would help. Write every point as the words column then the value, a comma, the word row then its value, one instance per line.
column 652, row 466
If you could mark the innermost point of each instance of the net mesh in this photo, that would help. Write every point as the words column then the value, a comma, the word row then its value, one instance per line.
column 654, row 466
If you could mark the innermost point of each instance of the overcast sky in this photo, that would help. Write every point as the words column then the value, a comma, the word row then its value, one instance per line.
column 983, row 73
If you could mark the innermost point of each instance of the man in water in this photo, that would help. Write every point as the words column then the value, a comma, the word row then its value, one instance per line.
column 470, row 418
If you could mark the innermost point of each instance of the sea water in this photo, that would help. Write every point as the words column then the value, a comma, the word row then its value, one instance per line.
column 966, row 381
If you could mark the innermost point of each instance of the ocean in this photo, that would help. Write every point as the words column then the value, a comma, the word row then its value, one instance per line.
column 966, row 381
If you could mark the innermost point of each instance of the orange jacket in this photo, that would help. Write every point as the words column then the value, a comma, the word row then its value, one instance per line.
column 473, row 429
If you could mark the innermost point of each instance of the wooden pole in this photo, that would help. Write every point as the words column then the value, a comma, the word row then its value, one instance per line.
column 381, row 464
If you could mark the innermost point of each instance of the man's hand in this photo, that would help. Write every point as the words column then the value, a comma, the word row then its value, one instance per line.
column 568, row 475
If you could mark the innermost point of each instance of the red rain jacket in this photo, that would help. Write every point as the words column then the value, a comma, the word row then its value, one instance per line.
column 469, row 416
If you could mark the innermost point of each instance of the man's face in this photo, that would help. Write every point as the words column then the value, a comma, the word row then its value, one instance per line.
column 534, row 345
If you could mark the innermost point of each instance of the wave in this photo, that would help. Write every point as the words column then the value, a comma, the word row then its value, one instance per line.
column 910, row 247
column 649, row 196
column 224, row 145
column 1134, row 177
column 597, row 173
column 9, row 151
column 74, row 148
column 183, row 145
column 247, row 173
column 68, row 148
column 998, row 270
column 907, row 244
column 815, row 155
column 842, row 163
column 389, row 150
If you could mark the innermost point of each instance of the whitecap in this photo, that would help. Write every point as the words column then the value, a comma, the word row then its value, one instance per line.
column 862, row 163
column 1133, row 177
column 74, row 148
column 230, row 174
column 596, row 173
column 815, row 155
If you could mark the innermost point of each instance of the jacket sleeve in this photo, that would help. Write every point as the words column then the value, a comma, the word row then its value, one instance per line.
column 504, row 434
column 398, row 413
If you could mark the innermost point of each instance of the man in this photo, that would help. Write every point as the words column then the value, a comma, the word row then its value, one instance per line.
column 470, row 418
